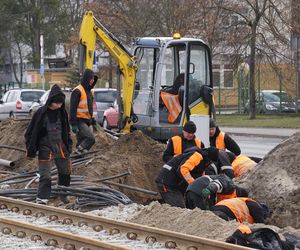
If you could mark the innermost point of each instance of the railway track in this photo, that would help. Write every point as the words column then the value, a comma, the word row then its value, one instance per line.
column 56, row 236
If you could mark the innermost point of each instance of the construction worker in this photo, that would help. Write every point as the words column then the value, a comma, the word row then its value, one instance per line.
column 222, row 166
column 242, row 210
column 221, row 140
column 179, row 143
column 206, row 190
column 81, row 112
column 49, row 134
column 180, row 171
column 230, row 163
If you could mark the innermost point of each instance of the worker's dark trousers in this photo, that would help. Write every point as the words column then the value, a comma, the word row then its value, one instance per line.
column 63, row 165
column 172, row 197
column 85, row 136
column 194, row 200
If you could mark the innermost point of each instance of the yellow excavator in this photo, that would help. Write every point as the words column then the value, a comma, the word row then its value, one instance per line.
column 160, row 85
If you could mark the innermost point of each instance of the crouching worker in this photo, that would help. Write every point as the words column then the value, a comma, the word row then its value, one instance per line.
column 180, row 171
column 242, row 210
column 206, row 190
column 49, row 134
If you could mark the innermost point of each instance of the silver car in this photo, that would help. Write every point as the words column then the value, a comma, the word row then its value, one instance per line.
column 16, row 102
column 39, row 103
column 103, row 99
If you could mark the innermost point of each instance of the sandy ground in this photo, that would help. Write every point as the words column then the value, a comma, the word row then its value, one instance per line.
column 275, row 181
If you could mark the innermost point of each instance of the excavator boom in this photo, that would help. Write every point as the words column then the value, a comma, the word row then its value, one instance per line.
column 90, row 30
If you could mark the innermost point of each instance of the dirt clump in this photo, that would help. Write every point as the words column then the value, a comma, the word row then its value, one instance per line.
column 276, row 181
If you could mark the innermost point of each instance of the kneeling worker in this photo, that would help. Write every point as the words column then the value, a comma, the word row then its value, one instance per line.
column 242, row 210
column 180, row 171
column 205, row 190
column 179, row 143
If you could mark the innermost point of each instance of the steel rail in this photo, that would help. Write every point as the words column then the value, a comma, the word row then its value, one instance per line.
column 131, row 230
column 53, row 237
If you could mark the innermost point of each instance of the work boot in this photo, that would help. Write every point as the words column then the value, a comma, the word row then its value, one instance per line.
column 41, row 201
column 80, row 150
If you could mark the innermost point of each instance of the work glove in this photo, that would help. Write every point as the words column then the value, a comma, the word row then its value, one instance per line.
column 75, row 129
column 205, row 193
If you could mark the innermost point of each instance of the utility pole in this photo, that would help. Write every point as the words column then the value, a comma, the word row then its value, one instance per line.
column 42, row 69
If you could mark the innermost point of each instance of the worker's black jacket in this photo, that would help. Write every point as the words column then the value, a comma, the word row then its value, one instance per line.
column 223, row 165
column 255, row 211
column 230, row 144
column 221, row 184
column 185, row 144
column 35, row 130
column 172, row 177
column 75, row 98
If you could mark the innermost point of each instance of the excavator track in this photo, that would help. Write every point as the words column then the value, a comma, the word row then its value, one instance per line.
column 58, row 238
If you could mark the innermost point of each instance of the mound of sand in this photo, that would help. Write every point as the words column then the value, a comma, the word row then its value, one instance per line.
column 276, row 181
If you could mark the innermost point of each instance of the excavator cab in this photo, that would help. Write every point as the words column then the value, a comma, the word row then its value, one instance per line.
column 173, row 75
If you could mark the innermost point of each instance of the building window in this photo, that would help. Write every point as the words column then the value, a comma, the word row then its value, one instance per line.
column 222, row 76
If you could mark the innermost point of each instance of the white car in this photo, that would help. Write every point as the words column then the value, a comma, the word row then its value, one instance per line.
column 16, row 102
column 39, row 103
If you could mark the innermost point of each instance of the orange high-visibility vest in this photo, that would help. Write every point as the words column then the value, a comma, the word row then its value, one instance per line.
column 173, row 105
column 239, row 208
column 177, row 144
column 242, row 164
column 82, row 108
column 221, row 197
column 220, row 143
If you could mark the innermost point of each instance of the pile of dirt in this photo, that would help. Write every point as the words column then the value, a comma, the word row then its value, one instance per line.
column 135, row 153
column 276, row 181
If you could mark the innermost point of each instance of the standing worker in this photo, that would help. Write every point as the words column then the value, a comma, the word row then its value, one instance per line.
column 179, row 143
column 221, row 140
column 49, row 134
column 180, row 171
column 242, row 210
column 81, row 112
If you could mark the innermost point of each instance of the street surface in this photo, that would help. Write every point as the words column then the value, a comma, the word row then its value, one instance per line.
column 256, row 145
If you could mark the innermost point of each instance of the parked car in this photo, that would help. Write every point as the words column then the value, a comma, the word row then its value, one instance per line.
column 39, row 103
column 268, row 102
column 17, row 102
column 104, row 98
column 111, row 116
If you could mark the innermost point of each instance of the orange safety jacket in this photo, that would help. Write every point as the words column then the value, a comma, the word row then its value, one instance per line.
column 82, row 108
column 239, row 208
column 221, row 197
column 242, row 164
column 220, row 143
column 187, row 167
column 173, row 105
column 177, row 144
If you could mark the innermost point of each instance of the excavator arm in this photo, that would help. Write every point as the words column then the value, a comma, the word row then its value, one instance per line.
column 90, row 30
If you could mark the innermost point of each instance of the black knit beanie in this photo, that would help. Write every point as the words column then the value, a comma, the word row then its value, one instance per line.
column 190, row 127
column 212, row 123
column 213, row 153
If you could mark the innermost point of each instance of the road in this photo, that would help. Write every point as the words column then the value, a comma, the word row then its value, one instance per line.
column 255, row 145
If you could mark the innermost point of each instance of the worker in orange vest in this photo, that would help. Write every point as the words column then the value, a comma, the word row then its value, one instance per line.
column 221, row 140
column 81, row 112
column 182, row 170
column 231, row 164
column 179, row 143
column 242, row 210
column 206, row 190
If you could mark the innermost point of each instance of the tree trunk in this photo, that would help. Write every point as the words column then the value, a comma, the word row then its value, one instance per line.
column 252, row 111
